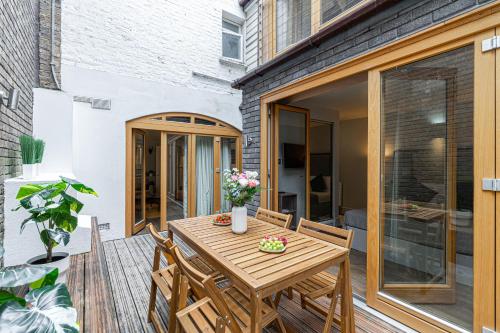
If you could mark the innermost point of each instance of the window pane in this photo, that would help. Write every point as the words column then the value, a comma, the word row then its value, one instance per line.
column 293, row 22
column 333, row 8
column 179, row 119
column 201, row 121
column 231, row 26
column 139, row 177
column 427, row 185
column 204, row 175
column 231, row 46
column 227, row 162
column 177, row 176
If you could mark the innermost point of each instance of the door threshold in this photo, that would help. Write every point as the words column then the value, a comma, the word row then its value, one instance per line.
column 362, row 305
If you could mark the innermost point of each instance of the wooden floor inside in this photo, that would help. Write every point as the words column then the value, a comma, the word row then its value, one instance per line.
column 110, row 290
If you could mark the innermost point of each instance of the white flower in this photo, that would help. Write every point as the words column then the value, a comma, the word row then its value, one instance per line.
column 243, row 182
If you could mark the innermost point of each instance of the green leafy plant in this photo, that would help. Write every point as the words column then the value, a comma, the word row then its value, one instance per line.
column 53, row 210
column 47, row 307
column 39, row 148
column 27, row 143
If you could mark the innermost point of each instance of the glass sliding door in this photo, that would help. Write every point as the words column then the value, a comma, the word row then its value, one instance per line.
column 177, row 176
column 431, row 130
column 228, row 161
column 291, row 156
column 139, row 180
column 427, row 207
column 204, row 182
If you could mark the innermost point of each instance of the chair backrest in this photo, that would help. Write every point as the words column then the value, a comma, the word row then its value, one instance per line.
column 204, row 286
column 194, row 276
column 163, row 246
column 337, row 236
column 279, row 219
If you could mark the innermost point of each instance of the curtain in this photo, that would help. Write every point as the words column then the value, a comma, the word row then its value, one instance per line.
column 225, row 164
column 204, row 175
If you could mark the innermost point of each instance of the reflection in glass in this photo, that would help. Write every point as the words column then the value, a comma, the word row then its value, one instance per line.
column 293, row 22
column 139, row 177
column 427, row 185
column 320, row 176
column 227, row 162
column 177, row 177
column 292, row 164
column 204, row 175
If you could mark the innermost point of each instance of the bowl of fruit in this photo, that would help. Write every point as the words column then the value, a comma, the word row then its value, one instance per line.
column 273, row 244
column 222, row 220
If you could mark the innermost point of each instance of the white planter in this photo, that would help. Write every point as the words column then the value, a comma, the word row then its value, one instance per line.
column 62, row 264
column 28, row 171
column 35, row 169
column 239, row 220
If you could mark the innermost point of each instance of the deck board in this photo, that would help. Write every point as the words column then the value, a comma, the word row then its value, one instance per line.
column 128, row 263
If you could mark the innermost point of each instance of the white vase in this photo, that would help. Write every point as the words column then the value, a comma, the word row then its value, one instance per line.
column 239, row 220
column 28, row 171
column 61, row 262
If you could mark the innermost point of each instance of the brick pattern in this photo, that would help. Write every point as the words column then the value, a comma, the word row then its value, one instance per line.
column 19, row 69
column 397, row 21
column 46, row 79
column 175, row 42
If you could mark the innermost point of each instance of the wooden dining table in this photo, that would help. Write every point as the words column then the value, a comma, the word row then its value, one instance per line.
column 238, row 257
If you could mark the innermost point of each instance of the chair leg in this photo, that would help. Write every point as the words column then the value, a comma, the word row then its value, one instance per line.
column 281, row 325
column 152, row 300
column 331, row 316
column 278, row 319
column 277, row 299
column 303, row 301
column 290, row 293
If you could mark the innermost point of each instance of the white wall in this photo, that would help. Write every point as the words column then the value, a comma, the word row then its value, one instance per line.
column 354, row 162
column 163, row 41
column 147, row 57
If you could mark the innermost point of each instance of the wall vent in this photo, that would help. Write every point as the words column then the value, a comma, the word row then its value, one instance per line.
column 103, row 226
column 102, row 104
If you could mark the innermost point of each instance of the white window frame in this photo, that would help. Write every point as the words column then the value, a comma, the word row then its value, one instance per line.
column 230, row 32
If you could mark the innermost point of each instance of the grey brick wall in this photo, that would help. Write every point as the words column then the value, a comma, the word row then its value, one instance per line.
column 46, row 79
column 19, row 69
column 397, row 21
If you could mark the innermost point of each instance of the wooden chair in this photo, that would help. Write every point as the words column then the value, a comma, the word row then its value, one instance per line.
column 323, row 283
column 172, row 286
column 279, row 219
column 217, row 310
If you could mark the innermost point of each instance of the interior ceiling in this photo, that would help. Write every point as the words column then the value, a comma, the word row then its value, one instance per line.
column 349, row 97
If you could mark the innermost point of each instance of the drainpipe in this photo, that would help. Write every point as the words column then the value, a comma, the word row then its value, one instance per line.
column 52, row 42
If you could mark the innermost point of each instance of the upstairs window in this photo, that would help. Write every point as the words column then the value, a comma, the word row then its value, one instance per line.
column 293, row 22
column 232, row 40
column 333, row 8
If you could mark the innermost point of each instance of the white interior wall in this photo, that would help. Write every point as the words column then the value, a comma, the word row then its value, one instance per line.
column 353, row 161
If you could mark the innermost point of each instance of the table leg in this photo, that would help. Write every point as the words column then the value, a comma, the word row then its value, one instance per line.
column 171, row 235
column 347, row 306
column 256, row 313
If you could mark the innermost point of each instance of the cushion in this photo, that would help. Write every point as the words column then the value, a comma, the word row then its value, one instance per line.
column 318, row 184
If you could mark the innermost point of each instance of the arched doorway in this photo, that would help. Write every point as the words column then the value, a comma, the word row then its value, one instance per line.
column 174, row 163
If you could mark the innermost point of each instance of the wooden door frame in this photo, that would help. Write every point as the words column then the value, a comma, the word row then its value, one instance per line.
column 453, row 33
column 160, row 122
column 275, row 116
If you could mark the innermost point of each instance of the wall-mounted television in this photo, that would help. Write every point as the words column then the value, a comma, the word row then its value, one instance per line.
column 294, row 155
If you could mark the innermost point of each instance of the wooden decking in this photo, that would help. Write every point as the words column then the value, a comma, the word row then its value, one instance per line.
column 110, row 290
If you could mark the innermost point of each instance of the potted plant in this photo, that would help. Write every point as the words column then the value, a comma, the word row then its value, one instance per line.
column 27, row 143
column 53, row 210
column 240, row 188
column 47, row 307
column 38, row 148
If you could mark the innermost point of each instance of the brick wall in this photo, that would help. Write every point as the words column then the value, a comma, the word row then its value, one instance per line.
column 19, row 69
column 399, row 20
